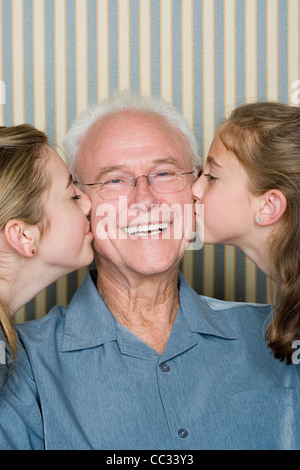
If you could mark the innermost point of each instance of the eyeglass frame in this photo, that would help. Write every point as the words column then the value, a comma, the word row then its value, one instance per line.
column 135, row 179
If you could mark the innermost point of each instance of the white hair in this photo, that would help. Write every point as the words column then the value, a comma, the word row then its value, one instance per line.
column 123, row 101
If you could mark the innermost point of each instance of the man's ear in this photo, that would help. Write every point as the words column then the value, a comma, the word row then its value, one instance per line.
column 21, row 237
column 272, row 207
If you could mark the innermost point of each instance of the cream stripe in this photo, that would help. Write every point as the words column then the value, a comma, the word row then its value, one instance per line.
column 60, row 105
column 41, row 304
column 294, row 51
column 20, row 315
column 272, row 49
column 229, row 104
column 124, row 44
column 251, row 93
column 166, row 49
column 250, row 49
column 39, row 64
column 145, row 46
column 103, row 56
column 187, row 101
column 81, row 56
column 17, row 61
column 208, row 123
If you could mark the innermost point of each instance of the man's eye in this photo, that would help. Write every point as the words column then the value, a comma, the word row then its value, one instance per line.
column 115, row 181
column 76, row 197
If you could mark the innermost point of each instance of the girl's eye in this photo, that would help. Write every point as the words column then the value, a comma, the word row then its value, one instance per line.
column 76, row 197
column 210, row 177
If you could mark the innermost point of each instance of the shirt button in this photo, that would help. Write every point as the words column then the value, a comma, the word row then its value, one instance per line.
column 164, row 367
column 182, row 433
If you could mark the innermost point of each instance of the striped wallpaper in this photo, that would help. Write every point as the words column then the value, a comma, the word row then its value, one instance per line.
column 204, row 56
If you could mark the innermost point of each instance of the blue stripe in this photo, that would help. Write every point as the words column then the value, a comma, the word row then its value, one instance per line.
column 50, row 70
column 7, row 62
column 155, row 48
column 28, row 61
column 71, row 61
column 240, row 78
column 176, row 56
column 283, row 85
column 134, row 46
column 92, row 51
column 261, row 51
column 113, row 45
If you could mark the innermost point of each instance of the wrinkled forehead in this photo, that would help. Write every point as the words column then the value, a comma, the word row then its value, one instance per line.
column 126, row 137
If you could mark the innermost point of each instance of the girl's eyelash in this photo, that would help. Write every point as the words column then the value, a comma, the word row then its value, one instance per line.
column 210, row 177
column 77, row 196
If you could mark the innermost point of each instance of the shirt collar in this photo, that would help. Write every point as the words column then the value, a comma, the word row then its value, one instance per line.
column 89, row 323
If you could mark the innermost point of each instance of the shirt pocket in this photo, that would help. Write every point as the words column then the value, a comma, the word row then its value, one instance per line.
column 266, row 418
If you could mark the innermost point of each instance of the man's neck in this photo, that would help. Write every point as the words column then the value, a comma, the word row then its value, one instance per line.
column 148, row 307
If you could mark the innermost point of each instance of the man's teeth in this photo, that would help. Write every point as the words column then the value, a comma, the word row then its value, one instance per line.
column 145, row 229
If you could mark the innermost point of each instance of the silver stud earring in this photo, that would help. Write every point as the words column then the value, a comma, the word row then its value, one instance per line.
column 257, row 220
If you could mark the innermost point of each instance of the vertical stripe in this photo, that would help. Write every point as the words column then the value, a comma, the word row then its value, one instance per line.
column 71, row 62
column 50, row 70
column 40, row 304
column 250, row 93
column 229, row 104
column 17, row 61
column 103, row 49
column 39, row 64
column 145, row 46
column 27, row 19
column 208, row 124
column 250, row 50
column 92, row 52
column 166, row 50
column 219, row 87
column 113, row 45
column 187, row 99
column 81, row 56
column 197, row 118
column 155, row 48
column 124, row 44
column 272, row 49
column 60, row 104
column 294, row 52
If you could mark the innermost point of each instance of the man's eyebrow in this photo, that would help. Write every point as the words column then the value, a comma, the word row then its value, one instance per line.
column 108, row 169
column 158, row 161
column 211, row 161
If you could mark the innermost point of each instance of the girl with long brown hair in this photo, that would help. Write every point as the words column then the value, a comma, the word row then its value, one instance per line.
column 44, row 231
column 250, row 189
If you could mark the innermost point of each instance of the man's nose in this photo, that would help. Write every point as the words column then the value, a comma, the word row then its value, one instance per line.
column 143, row 192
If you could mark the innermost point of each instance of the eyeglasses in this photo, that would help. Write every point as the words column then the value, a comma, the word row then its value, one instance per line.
column 162, row 182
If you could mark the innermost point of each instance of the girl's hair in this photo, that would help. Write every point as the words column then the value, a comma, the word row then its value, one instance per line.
column 265, row 137
column 126, row 101
column 23, row 180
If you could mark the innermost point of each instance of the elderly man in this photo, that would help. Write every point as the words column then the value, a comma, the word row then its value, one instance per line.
column 138, row 360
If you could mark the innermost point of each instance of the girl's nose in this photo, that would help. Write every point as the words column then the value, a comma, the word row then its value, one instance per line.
column 85, row 202
column 197, row 189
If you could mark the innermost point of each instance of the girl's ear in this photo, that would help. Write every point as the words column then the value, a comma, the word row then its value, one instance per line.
column 273, row 206
column 21, row 237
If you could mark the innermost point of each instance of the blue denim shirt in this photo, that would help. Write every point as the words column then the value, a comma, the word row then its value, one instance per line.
column 83, row 381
